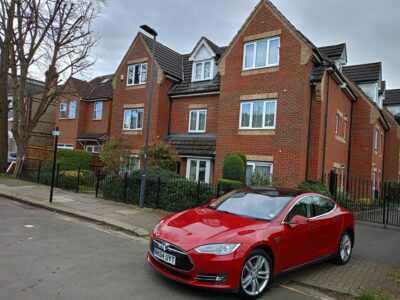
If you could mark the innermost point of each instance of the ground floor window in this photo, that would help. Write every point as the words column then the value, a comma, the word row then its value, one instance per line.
column 132, row 166
column 258, row 173
column 198, row 170
column 94, row 148
column 65, row 146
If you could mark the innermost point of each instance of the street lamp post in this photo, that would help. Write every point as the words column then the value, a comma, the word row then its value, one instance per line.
column 55, row 134
column 152, row 32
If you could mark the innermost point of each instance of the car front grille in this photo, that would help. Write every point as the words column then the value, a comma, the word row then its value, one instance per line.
column 183, row 260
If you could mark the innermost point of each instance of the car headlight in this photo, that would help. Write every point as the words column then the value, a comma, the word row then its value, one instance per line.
column 156, row 227
column 217, row 249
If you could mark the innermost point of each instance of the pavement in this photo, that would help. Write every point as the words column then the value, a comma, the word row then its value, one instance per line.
column 374, row 267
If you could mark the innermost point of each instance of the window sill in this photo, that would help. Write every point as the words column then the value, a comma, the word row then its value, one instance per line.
column 132, row 132
column 340, row 139
column 97, row 119
column 135, row 86
column 265, row 132
column 260, row 70
column 197, row 132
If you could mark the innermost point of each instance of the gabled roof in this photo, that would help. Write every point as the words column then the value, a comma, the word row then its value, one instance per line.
column 169, row 60
column 392, row 97
column 32, row 86
column 99, row 88
column 333, row 52
column 364, row 73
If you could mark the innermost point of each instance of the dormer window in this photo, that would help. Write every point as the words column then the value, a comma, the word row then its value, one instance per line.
column 203, row 70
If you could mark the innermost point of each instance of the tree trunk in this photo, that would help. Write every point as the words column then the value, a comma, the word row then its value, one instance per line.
column 3, row 126
column 22, row 155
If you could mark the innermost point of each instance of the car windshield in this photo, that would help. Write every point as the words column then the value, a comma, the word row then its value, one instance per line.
column 263, row 205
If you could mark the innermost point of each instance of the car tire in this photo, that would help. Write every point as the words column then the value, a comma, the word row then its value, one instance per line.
column 345, row 249
column 256, row 272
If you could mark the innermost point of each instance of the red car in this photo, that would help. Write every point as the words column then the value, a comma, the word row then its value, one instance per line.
column 243, row 239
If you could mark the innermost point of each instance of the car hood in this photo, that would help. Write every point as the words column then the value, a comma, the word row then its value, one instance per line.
column 201, row 226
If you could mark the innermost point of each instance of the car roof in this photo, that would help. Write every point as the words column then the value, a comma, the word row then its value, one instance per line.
column 274, row 191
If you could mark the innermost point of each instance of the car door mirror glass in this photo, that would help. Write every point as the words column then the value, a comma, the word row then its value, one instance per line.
column 298, row 220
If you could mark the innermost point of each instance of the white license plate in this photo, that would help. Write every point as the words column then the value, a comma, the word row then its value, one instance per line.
column 164, row 256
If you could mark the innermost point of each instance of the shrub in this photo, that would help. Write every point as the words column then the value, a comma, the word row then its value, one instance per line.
column 74, row 158
column 234, row 168
column 315, row 187
column 161, row 154
column 116, row 153
column 155, row 172
column 230, row 184
column 242, row 156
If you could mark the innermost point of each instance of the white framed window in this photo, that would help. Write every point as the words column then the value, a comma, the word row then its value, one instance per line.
column 137, row 74
column 344, row 129
column 259, row 114
column 198, row 170
column 98, row 110
column 258, row 172
column 376, row 139
column 65, row 146
column 63, row 110
column 133, row 119
column 262, row 53
column 337, row 124
column 203, row 70
column 72, row 110
column 132, row 166
column 197, row 120
column 94, row 148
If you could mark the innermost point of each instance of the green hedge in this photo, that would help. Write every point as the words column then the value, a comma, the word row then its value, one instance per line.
column 74, row 158
column 315, row 187
column 234, row 168
column 230, row 184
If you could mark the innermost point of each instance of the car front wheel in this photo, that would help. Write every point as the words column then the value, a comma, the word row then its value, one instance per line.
column 345, row 248
column 256, row 274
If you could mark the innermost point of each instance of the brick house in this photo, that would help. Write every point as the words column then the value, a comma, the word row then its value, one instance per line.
column 295, row 110
column 84, row 113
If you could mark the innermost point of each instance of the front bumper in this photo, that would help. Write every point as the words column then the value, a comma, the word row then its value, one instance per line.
column 205, row 266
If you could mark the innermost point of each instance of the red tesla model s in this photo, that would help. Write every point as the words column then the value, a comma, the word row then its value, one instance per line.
column 243, row 239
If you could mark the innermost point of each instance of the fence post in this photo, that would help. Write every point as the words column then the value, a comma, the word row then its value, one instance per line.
column 78, row 179
column 125, row 185
column 57, row 174
column 198, row 193
column 158, row 191
column 333, row 183
column 39, row 169
column 97, row 183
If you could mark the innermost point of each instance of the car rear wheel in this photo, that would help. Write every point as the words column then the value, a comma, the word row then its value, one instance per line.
column 256, row 274
column 345, row 249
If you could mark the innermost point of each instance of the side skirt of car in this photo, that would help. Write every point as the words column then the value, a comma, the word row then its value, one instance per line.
column 307, row 264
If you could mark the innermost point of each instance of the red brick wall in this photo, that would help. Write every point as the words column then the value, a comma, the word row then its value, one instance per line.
column 95, row 126
column 392, row 150
column 288, row 144
column 135, row 95
column 180, row 112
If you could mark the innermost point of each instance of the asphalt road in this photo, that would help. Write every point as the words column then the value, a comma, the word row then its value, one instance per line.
column 44, row 255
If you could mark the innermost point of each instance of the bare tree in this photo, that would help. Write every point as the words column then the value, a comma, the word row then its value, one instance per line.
column 54, row 37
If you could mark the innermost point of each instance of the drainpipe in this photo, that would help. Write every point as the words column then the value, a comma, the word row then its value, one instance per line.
column 310, row 130
column 326, row 125
column 169, row 115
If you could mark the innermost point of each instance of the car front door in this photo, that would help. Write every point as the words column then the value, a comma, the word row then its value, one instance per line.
column 298, row 241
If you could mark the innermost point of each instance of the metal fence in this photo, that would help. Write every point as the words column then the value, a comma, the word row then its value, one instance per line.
column 370, row 201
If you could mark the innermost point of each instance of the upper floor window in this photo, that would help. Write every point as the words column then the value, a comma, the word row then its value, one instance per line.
column 72, row 110
column 63, row 110
column 261, row 53
column 202, row 70
column 258, row 114
column 337, row 124
column 197, row 120
column 133, row 119
column 376, row 139
column 98, row 111
column 137, row 74
column 344, row 129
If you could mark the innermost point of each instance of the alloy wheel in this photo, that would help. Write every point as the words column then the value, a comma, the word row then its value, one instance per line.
column 345, row 248
column 255, row 275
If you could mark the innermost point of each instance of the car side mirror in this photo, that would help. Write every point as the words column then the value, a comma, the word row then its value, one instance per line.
column 213, row 201
column 298, row 220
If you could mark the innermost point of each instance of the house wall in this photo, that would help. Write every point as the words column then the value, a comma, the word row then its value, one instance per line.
column 91, row 125
column 182, row 106
column 286, row 146
column 41, row 134
column 391, row 168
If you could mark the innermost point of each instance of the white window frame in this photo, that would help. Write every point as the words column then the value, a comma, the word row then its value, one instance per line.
column 376, row 139
column 253, row 164
column 62, row 104
column 74, row 110
column 337, row 119
column 251, row 115
column 198, row 160
column 255, row 43
column 137, row 128
column 203, row 62
column 93, row 147
column 197, row 111
column 134, row 66
column 65, row 146
column 345, row 129
column 98, row 110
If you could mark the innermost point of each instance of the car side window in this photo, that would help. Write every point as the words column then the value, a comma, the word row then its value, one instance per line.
column 303, row 208
column 322, row 205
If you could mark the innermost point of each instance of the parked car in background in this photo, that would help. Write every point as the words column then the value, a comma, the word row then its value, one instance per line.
column 12, row 156
column 244, row 238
